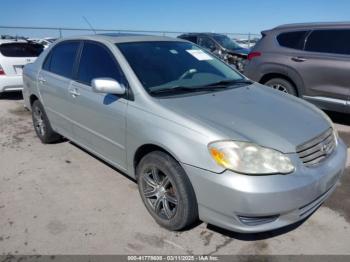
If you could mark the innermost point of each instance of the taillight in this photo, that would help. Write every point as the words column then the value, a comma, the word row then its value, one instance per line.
column 2, row 72
column 253, row 55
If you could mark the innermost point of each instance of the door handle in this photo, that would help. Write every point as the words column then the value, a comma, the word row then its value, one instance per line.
column 299, row 59
column 74, row 92
column 41, row 80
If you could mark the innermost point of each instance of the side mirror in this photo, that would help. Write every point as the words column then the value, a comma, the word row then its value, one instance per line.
column 107, row 86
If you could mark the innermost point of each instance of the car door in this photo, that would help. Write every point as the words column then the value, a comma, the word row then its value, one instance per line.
column 54, row 80
column 99, row 120
column 325, row 66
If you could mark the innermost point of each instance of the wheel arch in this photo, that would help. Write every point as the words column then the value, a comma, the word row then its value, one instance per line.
column 32, row 98
column 270, row 71
column 270, row 76
column 145, row 149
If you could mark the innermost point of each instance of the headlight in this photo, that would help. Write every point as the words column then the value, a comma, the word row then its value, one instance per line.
column 248, row 158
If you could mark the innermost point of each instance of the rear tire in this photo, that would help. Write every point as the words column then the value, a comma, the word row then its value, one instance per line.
column 42, row 125
column 282, row 85
column 166, row 191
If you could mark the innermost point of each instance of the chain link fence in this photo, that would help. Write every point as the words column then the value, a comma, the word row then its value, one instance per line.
column 245, row 39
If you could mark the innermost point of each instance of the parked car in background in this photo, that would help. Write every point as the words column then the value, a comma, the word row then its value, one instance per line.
column 221, row 45
column 13, row 37
column 46, row 42
column 50, row 39
column 311, row 61
column 246, row 43
column 200, row 139
column 14, row 55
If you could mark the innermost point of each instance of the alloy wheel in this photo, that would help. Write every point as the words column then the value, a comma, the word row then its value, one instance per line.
column 280, row 87
column 39, row 124
column 159, row 192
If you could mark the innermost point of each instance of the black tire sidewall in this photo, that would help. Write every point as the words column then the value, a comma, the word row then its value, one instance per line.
column 187, row 211
column 50, row 136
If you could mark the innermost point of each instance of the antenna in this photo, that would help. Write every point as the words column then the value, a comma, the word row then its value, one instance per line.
column 87, row 21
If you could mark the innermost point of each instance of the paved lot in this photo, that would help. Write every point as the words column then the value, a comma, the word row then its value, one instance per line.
column 58, row 199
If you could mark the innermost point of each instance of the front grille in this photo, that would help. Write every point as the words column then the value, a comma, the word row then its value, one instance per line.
column 317, row 149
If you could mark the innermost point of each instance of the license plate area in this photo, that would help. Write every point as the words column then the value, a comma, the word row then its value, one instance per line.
column 19, row 69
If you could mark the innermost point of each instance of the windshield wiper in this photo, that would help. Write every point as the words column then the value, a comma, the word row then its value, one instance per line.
column 184, row 89
column 211, row 87
column 230, row 82
column 173, row 89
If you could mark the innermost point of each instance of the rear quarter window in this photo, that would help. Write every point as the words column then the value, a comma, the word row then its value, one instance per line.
column 293, row 40
column 329, row 41
column 21, row 49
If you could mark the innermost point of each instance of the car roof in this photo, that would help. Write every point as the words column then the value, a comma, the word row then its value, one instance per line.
column 122, row 38
column 314, row 25
column 200, row 34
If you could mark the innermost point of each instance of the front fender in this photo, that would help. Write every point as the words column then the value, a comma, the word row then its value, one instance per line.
column 184, row 144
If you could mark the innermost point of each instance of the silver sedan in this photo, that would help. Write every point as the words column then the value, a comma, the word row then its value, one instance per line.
column 202, row 141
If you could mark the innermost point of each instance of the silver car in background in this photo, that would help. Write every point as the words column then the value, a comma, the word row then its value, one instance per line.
column 201, row 140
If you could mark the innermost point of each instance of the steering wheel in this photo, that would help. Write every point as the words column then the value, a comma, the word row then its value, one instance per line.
column 189, row 72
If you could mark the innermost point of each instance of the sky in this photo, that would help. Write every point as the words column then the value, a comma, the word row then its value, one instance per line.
column 243, row 16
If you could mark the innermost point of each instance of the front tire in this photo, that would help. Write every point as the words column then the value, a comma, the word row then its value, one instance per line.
column 42, row 125
column 282, row 85
column 166, row 191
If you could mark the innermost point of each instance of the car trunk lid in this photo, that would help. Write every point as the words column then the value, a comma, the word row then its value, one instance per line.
column 15, row 55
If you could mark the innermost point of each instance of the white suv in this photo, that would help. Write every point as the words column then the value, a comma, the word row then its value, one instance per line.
column 14, row 55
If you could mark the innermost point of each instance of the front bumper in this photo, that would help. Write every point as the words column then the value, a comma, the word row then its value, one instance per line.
column 11, row 83
column 223, row 199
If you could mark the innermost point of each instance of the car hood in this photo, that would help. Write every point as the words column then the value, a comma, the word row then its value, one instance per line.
column 253, row 113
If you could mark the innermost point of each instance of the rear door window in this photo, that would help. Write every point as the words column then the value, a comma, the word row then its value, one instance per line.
column 293, row 40
column 21, row 49
column 97, row 61
column 61, row 59
column 329, row 41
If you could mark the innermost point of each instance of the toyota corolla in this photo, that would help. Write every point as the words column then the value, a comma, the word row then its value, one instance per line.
column 202, row 141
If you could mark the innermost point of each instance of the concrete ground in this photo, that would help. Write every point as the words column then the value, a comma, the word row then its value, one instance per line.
column 58, row 199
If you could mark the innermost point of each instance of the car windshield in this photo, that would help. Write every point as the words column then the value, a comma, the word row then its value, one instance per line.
column 226, row 42
column 166, row 65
